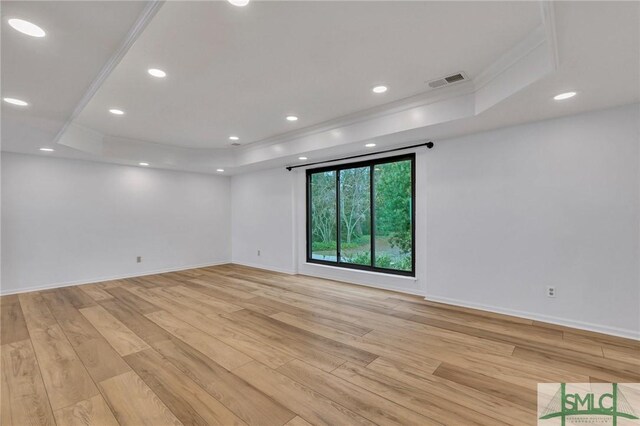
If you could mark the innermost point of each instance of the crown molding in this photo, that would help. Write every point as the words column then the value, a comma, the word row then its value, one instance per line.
column 150, row 10
column 547, row 9
column 510, row 58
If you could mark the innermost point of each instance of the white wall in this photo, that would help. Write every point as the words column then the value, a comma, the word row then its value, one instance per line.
column 553, row 203
column 263, row 219
column 68, row 221
column 501, row 215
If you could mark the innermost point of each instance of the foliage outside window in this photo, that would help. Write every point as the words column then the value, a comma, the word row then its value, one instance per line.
column 361, row 215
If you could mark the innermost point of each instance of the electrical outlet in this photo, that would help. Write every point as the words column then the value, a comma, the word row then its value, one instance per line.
column 258, row 252
column 551, row 291
column 139, row 259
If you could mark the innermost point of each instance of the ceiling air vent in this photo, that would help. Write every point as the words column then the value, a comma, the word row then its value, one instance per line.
column 235, row 144
column 445, row 81
column 454, row 78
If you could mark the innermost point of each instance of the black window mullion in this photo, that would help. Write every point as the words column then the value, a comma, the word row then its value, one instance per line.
column 338, row 223
column 413, row 215
column 372, row 218
column 309, row 217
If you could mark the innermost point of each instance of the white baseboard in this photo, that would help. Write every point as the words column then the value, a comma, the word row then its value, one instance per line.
column 613, row 331
column 265, row 267
column 109, row 278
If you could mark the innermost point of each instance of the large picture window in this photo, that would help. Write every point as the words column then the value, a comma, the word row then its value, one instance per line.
column 361, row 215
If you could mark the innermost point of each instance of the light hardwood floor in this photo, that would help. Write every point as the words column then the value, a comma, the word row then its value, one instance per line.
column 235, row 345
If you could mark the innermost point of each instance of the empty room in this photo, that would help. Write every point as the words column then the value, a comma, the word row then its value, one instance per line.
column 246, row 212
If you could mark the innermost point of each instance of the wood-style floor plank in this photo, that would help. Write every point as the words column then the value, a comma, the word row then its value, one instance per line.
column 309, row 404
column 218, row 327
column 136, row 322
column 134, row 403
column 95, row 292
column 36, row 312
column 13, row 328
column 109, row 284
column 292, row 347
column 123, row 340
column 198, row 301
column 65, row 376
column 488, row 385
column 221, row 292
column 244, row 400
column 213, row 348
column 96, row 354
column 234, row 345
column 607, row 369
column 513, row 334
column 621, row 353
column 298, row 421
column 94, row 411
column 418, row 361
column 461, row 392
column 478, row 313
column 359, row 400
column 191, row 404
column 132, row 301
column 428, row 404
column 78, row 298
column 575, row 334
column 24, row 399
column 315, row 317
column 302, row 339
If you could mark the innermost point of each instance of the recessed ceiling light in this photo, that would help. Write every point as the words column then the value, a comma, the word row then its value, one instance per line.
column 292, row 118
column 219, row 170
column 563, row 96
column 157, row 73
column 14, row 101
column 379, row 89
column 239, row 3
column 302, row 158
column 143, row 164
column 47, row 149
column 116, row 111
column 370, row 145
column 234, row 138
column 26, row 27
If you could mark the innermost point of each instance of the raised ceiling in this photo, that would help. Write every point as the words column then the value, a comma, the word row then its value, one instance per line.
column 240, row 71
column 54, row 72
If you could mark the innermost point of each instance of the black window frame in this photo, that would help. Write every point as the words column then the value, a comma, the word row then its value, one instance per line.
column 371, row 164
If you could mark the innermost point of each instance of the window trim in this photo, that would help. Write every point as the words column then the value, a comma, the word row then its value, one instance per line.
column 371, row 164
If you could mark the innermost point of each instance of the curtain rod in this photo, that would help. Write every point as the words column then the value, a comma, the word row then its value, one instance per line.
column 427, row 144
